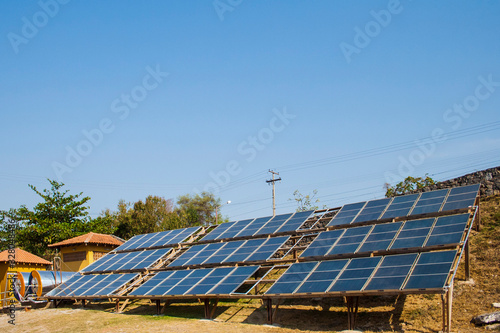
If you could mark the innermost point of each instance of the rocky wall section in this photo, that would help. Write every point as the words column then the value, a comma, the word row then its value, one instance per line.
column 489, row 179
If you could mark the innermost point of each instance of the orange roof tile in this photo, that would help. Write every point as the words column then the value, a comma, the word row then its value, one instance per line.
column 90, row 238
column 24, row 257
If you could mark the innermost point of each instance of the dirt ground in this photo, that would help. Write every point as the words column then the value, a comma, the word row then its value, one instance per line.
column 414, row 313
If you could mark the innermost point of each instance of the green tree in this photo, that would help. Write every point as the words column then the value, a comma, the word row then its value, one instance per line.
column 305, row 202
column 57, row 217
column 408, row 185
column 199, row 209
column 150, row 215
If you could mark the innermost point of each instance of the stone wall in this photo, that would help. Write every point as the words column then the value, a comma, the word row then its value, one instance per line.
column 489, row 179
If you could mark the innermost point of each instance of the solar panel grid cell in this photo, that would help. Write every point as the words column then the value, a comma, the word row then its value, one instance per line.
column 323, row 243
column 448, row 230
column 295, row 222
column 322, row 277
column 350, row 241
column 372, row 210
column 232, row 231
column 292, row 278
column 221, row 228
column 253, row 227
column 347, row 214
column 400, row 206
column 273, row 225
column 431, row 270
column 355, row 275
column 392, row 272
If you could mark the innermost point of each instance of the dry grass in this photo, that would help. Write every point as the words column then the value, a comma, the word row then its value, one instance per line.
column 414, row 313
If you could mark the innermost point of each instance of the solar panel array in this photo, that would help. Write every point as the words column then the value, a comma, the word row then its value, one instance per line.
column 364, row 258
column 92, row 285
column 126, row 261
column 389, row 236
column 413, row 204
column 206, row 281
column 229, row 252
column 259, row 226
column 163, row 238
column 401, row 272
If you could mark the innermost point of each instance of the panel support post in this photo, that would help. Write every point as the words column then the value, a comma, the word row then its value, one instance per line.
column 447, row 300
column 158, row 307
column 164, row 309
column 352, row 311
column 467, row 260
column 210, row 309
column 271, row 314
column 83, row 303
column 117, row 306
column 478, row 219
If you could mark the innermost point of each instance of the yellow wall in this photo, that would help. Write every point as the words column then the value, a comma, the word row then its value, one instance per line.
column 27, row 268
column 75, row 266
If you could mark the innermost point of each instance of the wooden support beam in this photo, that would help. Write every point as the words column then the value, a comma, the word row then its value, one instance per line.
column 164, row 309
column 117, row 306
column 447, row 301
column 83, row 303
column 210, row 308
column 352, row 311
column 124, row 305
column 449, row 297
column 271, row 314
column 467, row 260
column 158, row 307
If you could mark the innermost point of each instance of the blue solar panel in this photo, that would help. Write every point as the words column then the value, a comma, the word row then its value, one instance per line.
column 223, row 253
column 350, row 240
column 162, row 238
column 92, row 285
column 221, row 228
column 103, row 285
column 210, row 281
column 432, row 270
column 448, row 230
column 232, row 282
column 126, row 260
column 355, row 275
column 253, row 227
column 380, row 237
column 430, row 202
column 153, row 282
column 400, row 206
column 232, row 231
column 70, row 284
column 322, row 277
column 322, row 244
column 236, row 251
column 372, row 210
column 347, row 214
column 188, row 282
column 192, row 252
column 273, row 225
column 413, row 234
column 204, row 254
column 267, row 249
column 292, row 278
column 295, row 222
column 461, row 197
column 392, row 272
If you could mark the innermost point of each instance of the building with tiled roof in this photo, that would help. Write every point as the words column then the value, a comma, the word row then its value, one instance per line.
column 79, row 252
column 90, row 238
column 22, row 262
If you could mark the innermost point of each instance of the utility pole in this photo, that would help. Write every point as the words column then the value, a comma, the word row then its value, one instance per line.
column 272, row 181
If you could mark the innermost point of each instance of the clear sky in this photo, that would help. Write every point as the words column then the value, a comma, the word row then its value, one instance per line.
column 123, row 99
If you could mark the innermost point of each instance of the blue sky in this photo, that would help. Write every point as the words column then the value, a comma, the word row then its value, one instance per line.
column 123, row 99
